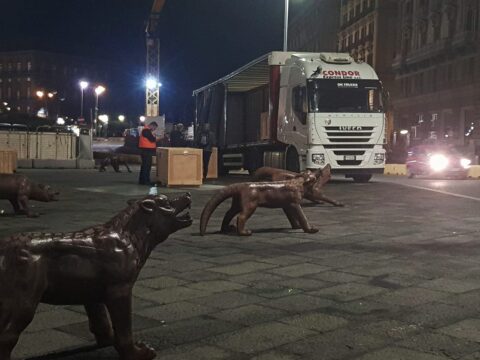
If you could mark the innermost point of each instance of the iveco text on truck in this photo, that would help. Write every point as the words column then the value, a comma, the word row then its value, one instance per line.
column 298, row 111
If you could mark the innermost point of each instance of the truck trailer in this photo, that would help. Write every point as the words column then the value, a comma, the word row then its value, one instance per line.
column 297, row 111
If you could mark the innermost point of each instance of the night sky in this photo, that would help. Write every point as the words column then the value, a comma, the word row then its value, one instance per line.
column 201, row 40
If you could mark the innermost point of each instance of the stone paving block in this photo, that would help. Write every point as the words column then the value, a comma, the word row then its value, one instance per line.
column 186, row 331
column 275, row 355
column 439, row 344
column 161, row 282
column 175, row 311
column 436, row 315
column 467, row 329
column 337, row 344
column 250, row 314
column 54, row 319
column 339, row 277
column 315, row 321
column 283, row 260
column 256, row 277
column 299, row 303
column 347, row 292
column 216, row 286
column 450, row 285
column 304, row 284
column 298, row 270
column 411, row 296
column 366, row 307
column 194, row 352
column 465, row 300
column 391, row 328
column 231, row 259
column 228, row 300
column 242, row 268
column 186, row 266
column 271, row 290
column 45, row 342
column 169, row 295
column 203, row 275
column 394, row 353
column 260, row 337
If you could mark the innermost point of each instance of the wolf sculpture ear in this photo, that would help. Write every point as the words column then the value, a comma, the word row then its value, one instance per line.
column 326, row 170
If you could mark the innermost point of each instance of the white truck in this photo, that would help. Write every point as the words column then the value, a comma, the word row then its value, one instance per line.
column 297, row 111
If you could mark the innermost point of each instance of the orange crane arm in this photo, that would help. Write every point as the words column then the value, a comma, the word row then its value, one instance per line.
column 157, row 6
column 152, row 24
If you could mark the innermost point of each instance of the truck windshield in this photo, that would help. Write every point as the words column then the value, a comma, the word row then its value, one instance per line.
column 342, row 95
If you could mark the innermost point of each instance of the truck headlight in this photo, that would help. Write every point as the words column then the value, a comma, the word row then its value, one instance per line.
column 379, row 158
column 465, row 163
column 318, row 159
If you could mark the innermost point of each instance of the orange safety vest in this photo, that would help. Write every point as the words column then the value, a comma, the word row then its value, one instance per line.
column 144, row 143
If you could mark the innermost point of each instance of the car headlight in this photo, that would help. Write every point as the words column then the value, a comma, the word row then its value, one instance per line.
column 438, row 162
column 465, row 163
column 318, row 159
column 379, row 158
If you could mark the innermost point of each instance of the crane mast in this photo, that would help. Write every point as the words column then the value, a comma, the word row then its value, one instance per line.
column 152, row 108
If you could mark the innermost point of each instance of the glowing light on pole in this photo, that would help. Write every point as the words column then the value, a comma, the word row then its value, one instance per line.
column 121, row 118
column 99, row 90
column 83, row 85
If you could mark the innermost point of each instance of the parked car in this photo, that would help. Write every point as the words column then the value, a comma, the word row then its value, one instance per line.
column 436, row 160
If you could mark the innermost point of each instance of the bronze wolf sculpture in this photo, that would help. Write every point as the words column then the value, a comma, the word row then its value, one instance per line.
column 115, row 160
column 18, row 189
column 312, row 191
column 96, row 267
column 246, row 197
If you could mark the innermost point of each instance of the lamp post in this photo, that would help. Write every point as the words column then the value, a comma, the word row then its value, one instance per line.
column 83, row 86
column 99, row 90
column 285, row 27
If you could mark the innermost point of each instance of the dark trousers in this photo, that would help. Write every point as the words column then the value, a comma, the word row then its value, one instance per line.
column 146, row 167
column 206, row 160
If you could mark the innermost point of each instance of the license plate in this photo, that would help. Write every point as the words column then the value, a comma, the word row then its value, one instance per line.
column 350, row 157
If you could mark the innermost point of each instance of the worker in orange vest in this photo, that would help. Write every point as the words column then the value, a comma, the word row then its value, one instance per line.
column 148, row 144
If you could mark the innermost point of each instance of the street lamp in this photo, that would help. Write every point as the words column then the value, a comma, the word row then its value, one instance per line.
column 285, row 26
column 142, row 119
column 99, row 90
column 83, row 86
column 121, row 118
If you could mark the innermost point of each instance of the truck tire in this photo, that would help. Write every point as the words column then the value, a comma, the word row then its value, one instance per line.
column 291, row 160
column 254, row 160
column 361, row 178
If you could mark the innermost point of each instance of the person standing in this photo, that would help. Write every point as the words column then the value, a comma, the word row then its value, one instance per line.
column 176, row 137
column 148, row 145
column 206, row 141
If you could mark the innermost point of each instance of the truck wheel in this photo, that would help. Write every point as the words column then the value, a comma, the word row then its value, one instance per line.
column 254, row 161
column 292, row 162
column 362, row 178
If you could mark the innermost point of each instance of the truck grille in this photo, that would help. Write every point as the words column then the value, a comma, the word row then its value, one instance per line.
column 346, row 134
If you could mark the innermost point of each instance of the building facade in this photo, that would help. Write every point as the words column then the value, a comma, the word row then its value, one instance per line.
column 24, row 73
column 367, row 32
column 315, row 27
column 438, row 70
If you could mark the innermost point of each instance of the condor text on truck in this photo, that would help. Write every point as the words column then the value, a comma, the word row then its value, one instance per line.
column 297, row 111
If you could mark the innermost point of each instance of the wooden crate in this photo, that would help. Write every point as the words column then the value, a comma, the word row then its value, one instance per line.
column 8, row 161
column 179, row 166
column 213, row 165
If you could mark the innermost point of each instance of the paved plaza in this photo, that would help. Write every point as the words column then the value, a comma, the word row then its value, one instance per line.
column 394, row 275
